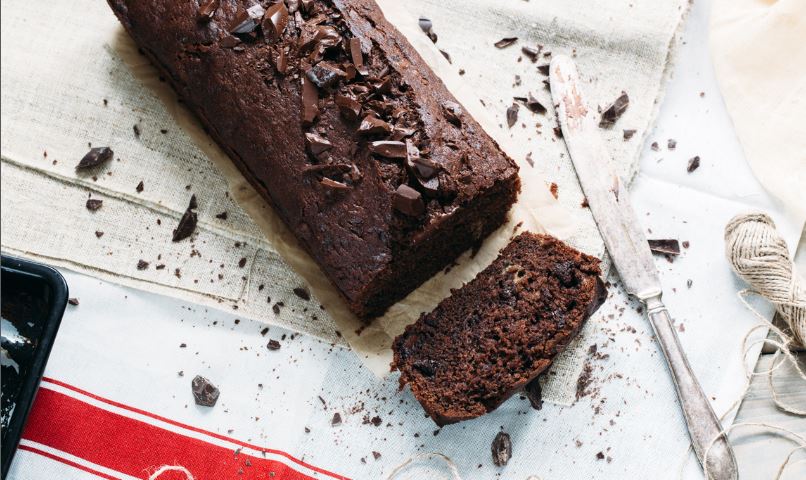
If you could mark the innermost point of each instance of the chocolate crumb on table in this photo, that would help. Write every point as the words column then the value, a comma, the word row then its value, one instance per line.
column 512, row 115
column 336, row 420
column 667, row 246
column 614, row 111
column 628, row 133
column 501, row 449
column 693, row 164
column 204, row 392
column 73, row 301
column 142, row 265
column 95, row 157
column 446, row 357
column 187, row 224
column 273, row 345
column 505, row 42
column 140, row 187
column 302, row 293
column 341, row 71
column 93, row 205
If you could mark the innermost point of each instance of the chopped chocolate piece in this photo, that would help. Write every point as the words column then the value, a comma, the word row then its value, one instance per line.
column 422, row 167
column 316, row 144
column 614, row 111
column 246, row 21
column 207, row 9
column 505, row 42
column 544, row 69
column 408, row 201
column 534, row 393
column 96, row 156
column 348, row 106
column 427, row 26
column 187, row 224
column 161, row 266
column 693, row 164
column 665, row 246
column 221, row 216
column 388, row 148
column 628, row 133
column 600, row 456
column 205, row 393
column 142, row 265
column 335, row 185
column 325, row 74
column 531, row 52
column 453, row 113
column 273, row 344
column 136, row 129
column 229, row 41
column 302, row 293
column 671, row 144
column 73, row 301
column 501, row 449
column 357, row 56
column 534, row 105
column 512, row 114
column 242, row 262
column 310, row 101
column 93, row 204
column 336, row 420
column 501, row 330
column 140, row 187
column 99, row 233
column 274, row 21
column 371, row 125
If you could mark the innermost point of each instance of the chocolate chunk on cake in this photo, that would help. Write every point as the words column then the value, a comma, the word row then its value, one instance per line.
column 339, row 124
column 500, row 331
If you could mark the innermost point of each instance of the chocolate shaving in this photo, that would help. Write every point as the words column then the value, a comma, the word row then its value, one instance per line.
column 665, row 246
column 544, row 69
column 310, row 101
column 246, row 21
column 614, row 111
column 330, row 183
column 316, row 144
column 187, row 224
column 205, row 393
column 281, row 64
column 446, row 55
column 505, row 42
column 693, row 164
column 628, row 134
column 274, row 21
column 371, row 125
column 93, row 205
column 388, row 148
column 357, row 56
column 325, row 74
column 512, row 114
column 73, row 301
column 96, row 156
column 207, row 9
column 501, row 449
column 408, row 201
column 453, row 113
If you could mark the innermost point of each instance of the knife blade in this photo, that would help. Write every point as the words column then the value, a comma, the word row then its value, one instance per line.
column 628, row 248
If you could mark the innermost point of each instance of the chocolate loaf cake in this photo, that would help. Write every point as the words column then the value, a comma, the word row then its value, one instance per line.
column 337, row 121
column 500, row 331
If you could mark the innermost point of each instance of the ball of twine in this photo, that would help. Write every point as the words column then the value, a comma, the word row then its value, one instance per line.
column 759, row 255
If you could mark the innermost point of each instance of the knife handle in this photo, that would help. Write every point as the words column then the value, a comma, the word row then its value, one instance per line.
column 703, row 424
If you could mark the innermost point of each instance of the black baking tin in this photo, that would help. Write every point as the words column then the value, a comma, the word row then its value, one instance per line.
column 25, row 281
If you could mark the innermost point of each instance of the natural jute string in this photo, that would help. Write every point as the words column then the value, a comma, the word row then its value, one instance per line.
column 171, row 468
column 759, row 255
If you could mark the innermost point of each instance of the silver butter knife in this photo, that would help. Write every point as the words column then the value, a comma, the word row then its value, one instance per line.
column 629, row 250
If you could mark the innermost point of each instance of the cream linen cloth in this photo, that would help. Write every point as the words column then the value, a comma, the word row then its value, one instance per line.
column 759, row 53
column 71, row 77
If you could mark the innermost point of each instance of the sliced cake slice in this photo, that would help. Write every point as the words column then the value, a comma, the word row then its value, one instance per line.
column 500, row 331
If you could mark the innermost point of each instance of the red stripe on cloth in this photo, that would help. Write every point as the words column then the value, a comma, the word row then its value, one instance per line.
column 137, row 448
column 66, row 462
column 194, row 429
